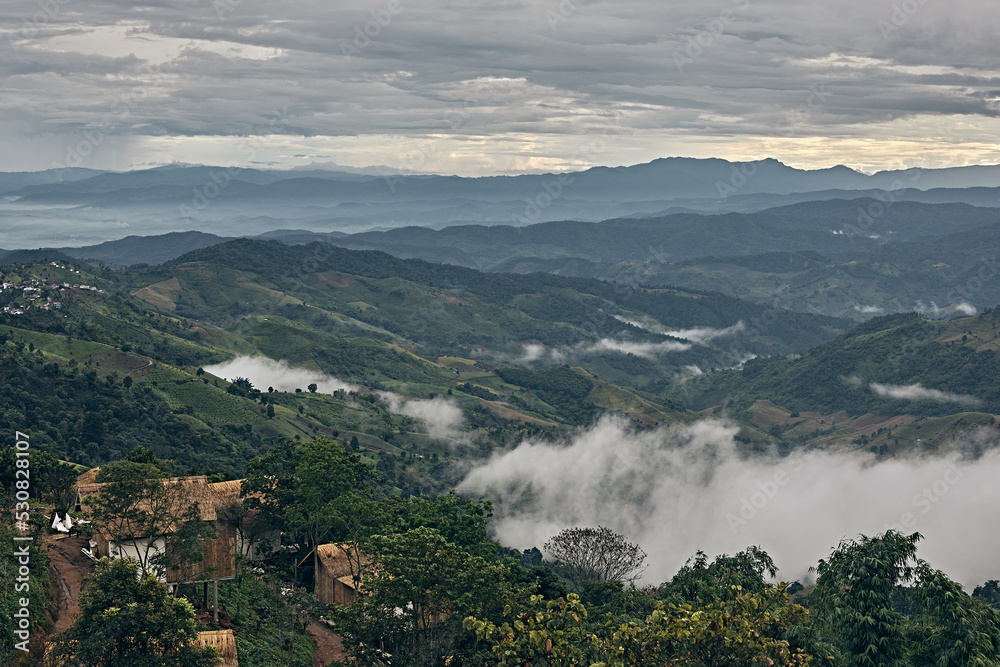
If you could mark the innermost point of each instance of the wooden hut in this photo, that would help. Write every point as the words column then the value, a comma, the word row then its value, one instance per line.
column 220, row 552
column 338, row 580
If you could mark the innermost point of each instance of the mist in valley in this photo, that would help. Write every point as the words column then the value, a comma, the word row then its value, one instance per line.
column 686, row 488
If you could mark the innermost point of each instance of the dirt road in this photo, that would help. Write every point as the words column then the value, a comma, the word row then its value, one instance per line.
column 69, row 567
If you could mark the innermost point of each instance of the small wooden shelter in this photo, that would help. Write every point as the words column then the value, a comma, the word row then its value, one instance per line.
column 225, row 642
column 338, row 580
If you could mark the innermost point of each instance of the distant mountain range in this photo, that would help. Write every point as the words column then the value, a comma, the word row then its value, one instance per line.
column 845, row 258
column 83, row 207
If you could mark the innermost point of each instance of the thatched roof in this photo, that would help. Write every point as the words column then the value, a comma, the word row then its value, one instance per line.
column 87, row 477
column 225, row 641
column 336, row 564
column 348, row 581
column 197, row 488
column 224, row 491
column 334, row 559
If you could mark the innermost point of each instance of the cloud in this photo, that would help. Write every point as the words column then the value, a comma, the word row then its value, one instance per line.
column 512, row 91
column 869, row 310
column 441, row 417
column 648, row 350
column 965, row 308
column 695, row 334
column 264, row 372
column 933, row 310
column 917, row 392
column 536, row 351
column 684, row 488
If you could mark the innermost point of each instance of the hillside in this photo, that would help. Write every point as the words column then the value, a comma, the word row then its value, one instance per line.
column 896, row 380
column 443, row 309
column 97, row 361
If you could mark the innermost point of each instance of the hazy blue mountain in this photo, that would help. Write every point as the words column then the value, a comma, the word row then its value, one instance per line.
column 91, row 208
column 145, row 249
column 836, row 226
column 12, row 181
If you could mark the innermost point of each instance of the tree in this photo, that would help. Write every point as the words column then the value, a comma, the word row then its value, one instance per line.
column 597, row 554
column 51, row 479
column 855, row 591
column 951, row 628
column 743, row 631
column 127, row 620
column 312, row 388
column 418, row 588
column 700, row 582
column 988, row 593
column 317, row 492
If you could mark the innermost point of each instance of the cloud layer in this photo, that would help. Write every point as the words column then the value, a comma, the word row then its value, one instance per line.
column 490, row 86
column 685, row 488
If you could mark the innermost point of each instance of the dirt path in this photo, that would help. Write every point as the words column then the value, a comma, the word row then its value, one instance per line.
column 328, row 644
column 69, row 567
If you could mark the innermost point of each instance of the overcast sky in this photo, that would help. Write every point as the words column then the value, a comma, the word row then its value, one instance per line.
column 497, row 86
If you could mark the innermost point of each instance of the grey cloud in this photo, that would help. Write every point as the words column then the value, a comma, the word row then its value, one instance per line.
column 604, row 59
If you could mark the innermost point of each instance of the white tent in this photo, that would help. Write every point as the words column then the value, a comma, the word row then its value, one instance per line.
column 57, row 523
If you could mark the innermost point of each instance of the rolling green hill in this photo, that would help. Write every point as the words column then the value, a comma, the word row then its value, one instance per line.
column 97, row 361
column 881, row 383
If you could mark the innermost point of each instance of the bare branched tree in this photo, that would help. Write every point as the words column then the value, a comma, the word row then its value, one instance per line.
column 597, row 554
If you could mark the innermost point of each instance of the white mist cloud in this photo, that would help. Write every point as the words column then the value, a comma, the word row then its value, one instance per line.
column 684, row 488
column 705, row 334
column 442, row 418
column 536, row 351
column 648, row 350
column 264, row 372
column 917, row 392
column 962, row 308
column 695, row 334
column 965, row 308
column 869, row 310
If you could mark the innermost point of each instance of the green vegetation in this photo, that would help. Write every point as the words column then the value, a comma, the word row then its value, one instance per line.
column 127, row 618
